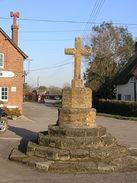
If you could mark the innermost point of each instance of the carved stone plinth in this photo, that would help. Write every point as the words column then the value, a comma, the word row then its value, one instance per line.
column 80, row 98
column 77, row 118
column 76, row 111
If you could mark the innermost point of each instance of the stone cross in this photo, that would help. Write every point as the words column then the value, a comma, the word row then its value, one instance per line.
column 14, row 15
column 77, row 52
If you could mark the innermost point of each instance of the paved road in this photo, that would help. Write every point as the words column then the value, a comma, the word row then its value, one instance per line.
column 36, row 118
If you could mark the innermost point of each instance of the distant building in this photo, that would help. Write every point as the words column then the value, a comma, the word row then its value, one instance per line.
column 126, row 81
column 41, row 91
column 11, row 69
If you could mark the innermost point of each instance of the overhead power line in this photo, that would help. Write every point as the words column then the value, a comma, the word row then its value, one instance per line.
column 94, row 13
column 101, row 3
column 68, row 21
column 46, row 20
column 50, row 31
column 58, row 31
column 52, row 67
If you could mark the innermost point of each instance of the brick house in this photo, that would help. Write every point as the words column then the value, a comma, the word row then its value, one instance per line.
column 11, row 69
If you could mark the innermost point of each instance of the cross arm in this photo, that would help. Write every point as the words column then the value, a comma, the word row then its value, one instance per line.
column 86, row 52
column 70, row 51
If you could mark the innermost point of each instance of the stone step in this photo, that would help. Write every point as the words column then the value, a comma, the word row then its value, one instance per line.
column 52, row 153
column 73, row 167
column 108, row 154
column 104, row 154
column 43, row 139
column 91, row 167
column 75, row 143
column 47, row 152
column 18, row 156
column 32, row 149
column 121, row 163
column 54, row 130
column 64, row 142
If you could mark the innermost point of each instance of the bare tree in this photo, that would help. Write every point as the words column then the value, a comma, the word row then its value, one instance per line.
column 112, row 47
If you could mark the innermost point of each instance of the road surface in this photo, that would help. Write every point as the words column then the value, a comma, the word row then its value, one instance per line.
column 36, row 118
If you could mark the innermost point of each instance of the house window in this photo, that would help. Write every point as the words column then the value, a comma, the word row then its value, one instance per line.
column 119, row 96
column 1, row 60
column 127, row 97
column 4, row 93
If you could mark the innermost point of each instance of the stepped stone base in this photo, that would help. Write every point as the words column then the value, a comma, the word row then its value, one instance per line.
column 77, row 150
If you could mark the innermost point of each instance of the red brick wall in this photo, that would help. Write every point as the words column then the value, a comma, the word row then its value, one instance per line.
column 13, row 61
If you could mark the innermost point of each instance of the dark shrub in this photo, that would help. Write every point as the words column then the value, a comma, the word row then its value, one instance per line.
column 30, row 96
column 123, row 108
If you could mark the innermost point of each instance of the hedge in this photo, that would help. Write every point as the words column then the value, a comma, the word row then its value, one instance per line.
column 123, row 108
column 13, row 112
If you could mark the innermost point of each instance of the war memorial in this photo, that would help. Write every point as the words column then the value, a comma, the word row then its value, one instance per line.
column 75, row 143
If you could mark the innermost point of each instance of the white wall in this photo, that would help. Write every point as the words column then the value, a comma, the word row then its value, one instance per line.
column 126, row 89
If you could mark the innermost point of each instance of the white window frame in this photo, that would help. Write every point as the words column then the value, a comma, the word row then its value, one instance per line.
column 3, row 60
column 4, row 100
column 127, row 97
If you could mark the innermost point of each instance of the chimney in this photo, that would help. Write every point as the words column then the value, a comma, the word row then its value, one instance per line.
column 135, row 47
column 14, row 27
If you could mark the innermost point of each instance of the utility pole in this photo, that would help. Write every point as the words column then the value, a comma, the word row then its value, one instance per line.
column 135, row 92
column 24, row 76
column 37, row 81
column 135, row 98
column 29, row 60
column 25, row 72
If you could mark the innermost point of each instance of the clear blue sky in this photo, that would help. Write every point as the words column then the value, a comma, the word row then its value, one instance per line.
column 46, row 49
